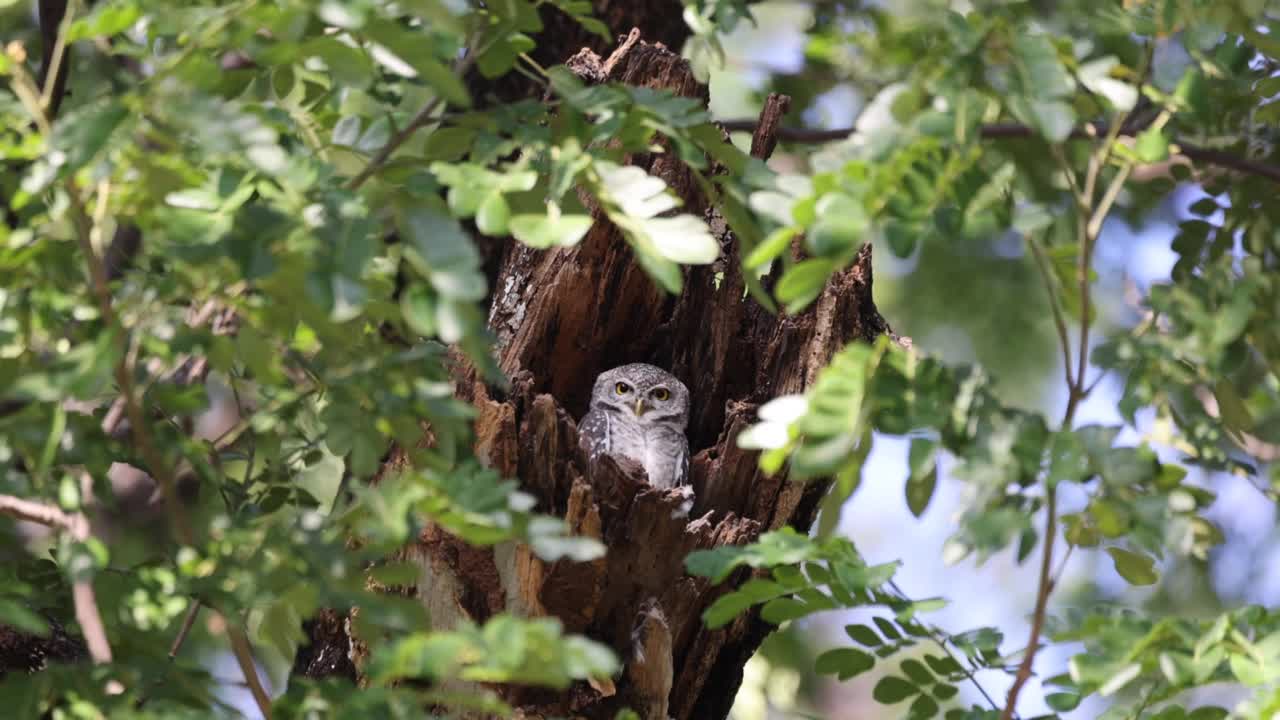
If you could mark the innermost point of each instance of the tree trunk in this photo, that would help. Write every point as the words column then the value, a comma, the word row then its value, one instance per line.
column 561, row 316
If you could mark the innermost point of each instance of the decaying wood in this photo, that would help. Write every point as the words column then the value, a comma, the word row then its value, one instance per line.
column 26, row 653
column 561, row 316
column 658, row 21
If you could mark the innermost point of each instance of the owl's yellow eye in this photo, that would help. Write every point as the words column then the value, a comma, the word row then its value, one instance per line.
column 661, row 394
column 622, row 388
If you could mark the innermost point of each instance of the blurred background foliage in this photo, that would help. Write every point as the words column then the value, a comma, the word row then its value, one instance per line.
column 239, row 152
column 979, row 300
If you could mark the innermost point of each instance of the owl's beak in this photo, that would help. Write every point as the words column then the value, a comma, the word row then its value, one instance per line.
column 640, row 407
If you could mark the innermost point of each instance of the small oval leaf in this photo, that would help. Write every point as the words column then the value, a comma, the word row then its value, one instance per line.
column 893, row 689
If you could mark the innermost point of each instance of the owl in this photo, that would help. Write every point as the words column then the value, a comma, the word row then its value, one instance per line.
column 640, row 412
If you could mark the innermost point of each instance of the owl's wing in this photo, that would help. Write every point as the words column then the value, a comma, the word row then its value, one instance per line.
column 682, row 462
column 593, row 434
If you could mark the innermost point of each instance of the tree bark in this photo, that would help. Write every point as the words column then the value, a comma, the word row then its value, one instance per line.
column 561, row 316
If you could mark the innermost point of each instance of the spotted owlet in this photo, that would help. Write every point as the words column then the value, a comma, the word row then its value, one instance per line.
column 639, row 411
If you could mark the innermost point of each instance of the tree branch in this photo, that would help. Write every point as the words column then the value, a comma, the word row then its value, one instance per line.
column 53, row 66
column 1014, row 131
column 1059, row 320
column 44, row 514
column 156, row 464
column 1042, row 602
column 244, row 656
column 187, row 621
column 1088, row 227
column 420, row 120
column 86, row 604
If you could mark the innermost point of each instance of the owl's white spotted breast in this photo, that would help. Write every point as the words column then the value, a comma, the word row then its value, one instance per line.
column 640, row 412
column 664, row 452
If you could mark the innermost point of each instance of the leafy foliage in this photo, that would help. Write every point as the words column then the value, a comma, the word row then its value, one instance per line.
column 797, row 577
column 314, row 170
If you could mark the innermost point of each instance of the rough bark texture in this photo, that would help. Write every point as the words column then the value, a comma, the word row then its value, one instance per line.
column 562, row 316
column 25, row 653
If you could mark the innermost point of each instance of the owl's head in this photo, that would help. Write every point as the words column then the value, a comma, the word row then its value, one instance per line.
column 649, row 394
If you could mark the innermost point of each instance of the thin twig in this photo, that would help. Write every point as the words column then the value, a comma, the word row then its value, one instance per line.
column 57, row 57
column 1085, row 252
column 1088, row 225
column 1042, row 601
column 1062, row 565
column 156, row 465
column 41, row 513
column 1108, row 199
column 420, row 120
column 99, row 284
column 1059, row 321
column 1094, row 384
column 936, row 636
column 1089, row 238
column 188, row 620
column 90, row 619
column 244, row 656
column 1076, row 193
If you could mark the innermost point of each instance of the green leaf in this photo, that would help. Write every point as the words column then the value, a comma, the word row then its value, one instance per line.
column 863, row 635
column 902, row 237
column 1110, row 517
column 435, row 241
column 887, row 628
column 1152, row 145
column 924, row 475
column 492, row 215
column 1136, row 568
column 923, row 707
column 444, row 81
column 18, row 615
column 1231, row 407
column 83, row 133
column 783, row 609
column 1041, row 72
column 945, row 692
column 917, row 672
column 1247, row 670
column 729, row 606
column 773, row 205
column 346, row 131
column 892, row 689
column 803, row 282
column 778, row 547
column 544, row 231
column 418, row 307
column 774, row 245
column 683, row 239
column 944, row 666
column 1119, row 679
column 842, row 223
column 106, row 20
column 1053, row 119
column 844, row 663
column 1062, row 702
